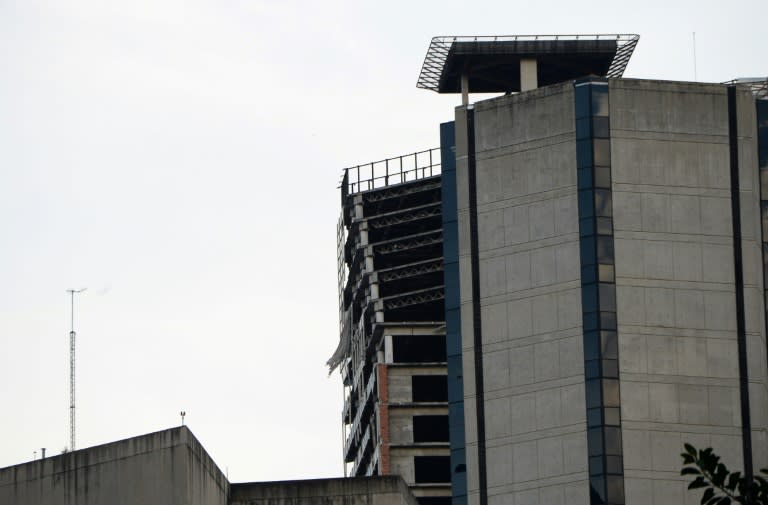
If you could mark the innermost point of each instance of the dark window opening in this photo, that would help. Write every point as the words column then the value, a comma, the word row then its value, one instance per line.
column 418, row 348
column 429, row 388
column 432, row 468
column 430, row 428
column 434, row 500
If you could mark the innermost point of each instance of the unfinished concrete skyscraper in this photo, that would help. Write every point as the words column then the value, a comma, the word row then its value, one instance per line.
column 392, row 352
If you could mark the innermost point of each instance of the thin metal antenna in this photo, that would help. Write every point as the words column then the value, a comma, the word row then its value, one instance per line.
column 72, row 334
column 182, row 414
column 695, row 74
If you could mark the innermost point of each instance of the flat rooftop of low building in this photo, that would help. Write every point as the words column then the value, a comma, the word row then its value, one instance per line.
column 492, row 64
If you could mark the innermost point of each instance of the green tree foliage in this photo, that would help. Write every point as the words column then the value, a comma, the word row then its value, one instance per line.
column 722, row 487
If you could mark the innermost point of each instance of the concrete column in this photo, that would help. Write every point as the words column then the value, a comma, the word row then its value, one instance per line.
column 465, row 89
column 528, row 74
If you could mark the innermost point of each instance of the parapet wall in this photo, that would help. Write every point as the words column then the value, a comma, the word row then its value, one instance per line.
column 387, row 490
column 169, row 467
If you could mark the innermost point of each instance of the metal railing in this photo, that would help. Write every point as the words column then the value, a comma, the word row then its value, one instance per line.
column 390, row 171
column 758, row 85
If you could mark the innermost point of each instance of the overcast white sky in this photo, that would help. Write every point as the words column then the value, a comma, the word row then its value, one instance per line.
column 180, row 159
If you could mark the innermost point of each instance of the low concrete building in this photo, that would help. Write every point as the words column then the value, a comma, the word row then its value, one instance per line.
column 171, row 467
column 383, row 490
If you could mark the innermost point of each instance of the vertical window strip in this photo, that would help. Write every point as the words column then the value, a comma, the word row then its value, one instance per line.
column 598, row 291
column 762, row 163
column 453, row 314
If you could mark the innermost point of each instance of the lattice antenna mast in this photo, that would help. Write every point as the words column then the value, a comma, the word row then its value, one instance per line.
column 72, row 334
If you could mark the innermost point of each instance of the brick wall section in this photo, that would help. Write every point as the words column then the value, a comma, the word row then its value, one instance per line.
column 383, row 382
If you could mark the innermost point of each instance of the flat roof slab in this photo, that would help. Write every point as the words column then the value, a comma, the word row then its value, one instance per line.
column 492, row 64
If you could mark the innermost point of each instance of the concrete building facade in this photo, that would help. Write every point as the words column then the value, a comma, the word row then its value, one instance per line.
column 171, row 467
column 392, row 353
column 604, row 273
column 611, row 269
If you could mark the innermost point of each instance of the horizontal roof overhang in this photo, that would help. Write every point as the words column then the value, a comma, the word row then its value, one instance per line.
column 492, row 64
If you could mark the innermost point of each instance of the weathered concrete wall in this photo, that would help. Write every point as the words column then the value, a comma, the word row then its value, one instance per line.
column 676, row 290
column 675, row 280
column 167, row 467
column 530, row 300
column 388, row 490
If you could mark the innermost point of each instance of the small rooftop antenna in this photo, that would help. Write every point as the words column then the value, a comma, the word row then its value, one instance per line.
column 72, row 334
column 695, row 76
column 182, row 414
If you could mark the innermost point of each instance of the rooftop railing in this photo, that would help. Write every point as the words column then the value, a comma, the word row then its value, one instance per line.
column 390, row 171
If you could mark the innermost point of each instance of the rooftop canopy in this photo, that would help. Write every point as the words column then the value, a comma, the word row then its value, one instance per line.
column 493, row 64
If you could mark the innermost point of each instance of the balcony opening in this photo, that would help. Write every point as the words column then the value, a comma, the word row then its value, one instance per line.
column 430, row 428
column 429, row 388
column 418, row 348
column 432, row 469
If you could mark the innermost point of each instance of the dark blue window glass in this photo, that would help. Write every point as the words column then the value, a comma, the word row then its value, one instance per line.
column 583, row 128
column 595, row 441
column 588, row 273
column 584, row 153
column 584, row 177
column 590, row 321
column 600, row 100
column 583, row 103
column 592, row 369
column 597, row 490
column 587, row 250
column 591, row 345
column 586, row 203
column 596, row 465
column 589, row 298
column 601, row 127
column 594, row 417
column 593, row 393
column 586, row 227
column 598, row 277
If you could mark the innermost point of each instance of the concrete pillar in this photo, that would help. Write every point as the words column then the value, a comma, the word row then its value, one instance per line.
column 528, row 74
column 388, row 352
column 465, row 89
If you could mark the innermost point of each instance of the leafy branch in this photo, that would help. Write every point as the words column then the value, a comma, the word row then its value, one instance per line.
column 722, row 487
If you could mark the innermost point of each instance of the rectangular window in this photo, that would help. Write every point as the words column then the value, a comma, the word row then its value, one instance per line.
column 430, row 428
column 436, row 469
column 434, row 500
column 429, row 388
column 418, row 348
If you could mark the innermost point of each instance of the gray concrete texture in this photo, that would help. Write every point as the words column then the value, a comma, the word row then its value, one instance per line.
column 385, row 490
column 675, row 289
column 530, row 300
column 167, row 467
column 675, row 280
